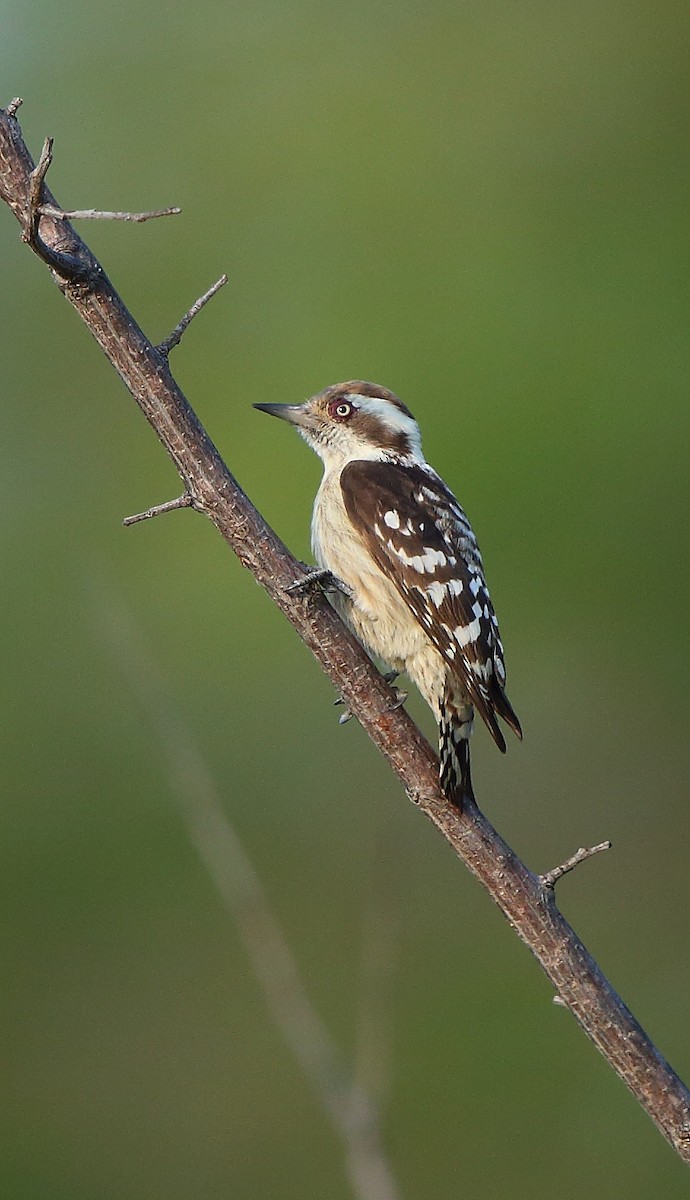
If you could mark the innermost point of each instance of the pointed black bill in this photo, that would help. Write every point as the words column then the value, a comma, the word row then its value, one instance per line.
column 286, row 412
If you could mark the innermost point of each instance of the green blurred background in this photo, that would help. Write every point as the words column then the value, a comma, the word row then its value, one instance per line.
column 485, row 208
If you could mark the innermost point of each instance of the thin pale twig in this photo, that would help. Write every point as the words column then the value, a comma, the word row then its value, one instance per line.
column 156, row 510
column 351, row 1110
column 96, row 214
column 174, row 338
column 550, row 878
column 385, row 891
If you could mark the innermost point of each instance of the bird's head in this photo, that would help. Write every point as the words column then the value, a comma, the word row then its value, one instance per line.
column 354, row 420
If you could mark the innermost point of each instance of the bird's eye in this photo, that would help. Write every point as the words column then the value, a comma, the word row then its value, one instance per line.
column 342, row 410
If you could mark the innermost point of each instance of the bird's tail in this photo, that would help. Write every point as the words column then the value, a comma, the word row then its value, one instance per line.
column 455, row 728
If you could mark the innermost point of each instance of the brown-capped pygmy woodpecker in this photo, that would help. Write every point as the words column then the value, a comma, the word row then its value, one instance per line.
column 386, row 525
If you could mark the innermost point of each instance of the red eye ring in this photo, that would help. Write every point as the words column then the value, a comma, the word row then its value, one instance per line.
column 341, row 410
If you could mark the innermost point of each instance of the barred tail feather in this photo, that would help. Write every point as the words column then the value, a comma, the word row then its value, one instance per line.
column 455, row 728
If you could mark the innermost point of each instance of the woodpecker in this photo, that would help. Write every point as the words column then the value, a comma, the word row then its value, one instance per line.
column 386, row 526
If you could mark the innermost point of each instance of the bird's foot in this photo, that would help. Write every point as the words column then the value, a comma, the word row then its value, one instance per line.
column 400, row 696
column 347, row 714
column 323, row 578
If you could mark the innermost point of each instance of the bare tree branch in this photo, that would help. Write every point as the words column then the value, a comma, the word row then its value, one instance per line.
column 528, row 905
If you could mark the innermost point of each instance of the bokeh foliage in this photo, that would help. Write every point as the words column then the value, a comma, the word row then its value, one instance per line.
column 483, row 207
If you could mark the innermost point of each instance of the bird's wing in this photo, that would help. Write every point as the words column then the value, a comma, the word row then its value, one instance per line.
column 421, row 539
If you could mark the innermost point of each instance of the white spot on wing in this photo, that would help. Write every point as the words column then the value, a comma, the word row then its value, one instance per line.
column 433, row 558
column 392, row 519
column 464, row 634
column 436, row 592
column 424, row 563
column 483, row 670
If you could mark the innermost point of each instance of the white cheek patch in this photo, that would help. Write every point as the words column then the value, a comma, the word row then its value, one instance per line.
column 391, row 417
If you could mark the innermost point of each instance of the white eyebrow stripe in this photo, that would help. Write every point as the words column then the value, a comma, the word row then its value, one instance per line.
column 391, row 417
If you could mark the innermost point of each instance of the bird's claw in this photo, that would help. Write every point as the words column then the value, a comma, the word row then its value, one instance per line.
column 345, row 716
column 400, row 698
column 323, row 578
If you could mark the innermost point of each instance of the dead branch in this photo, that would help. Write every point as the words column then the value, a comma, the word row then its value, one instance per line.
column 98, row 214
column 550, row 878
column 175, row 337
column 529, row 906
column 156, row 510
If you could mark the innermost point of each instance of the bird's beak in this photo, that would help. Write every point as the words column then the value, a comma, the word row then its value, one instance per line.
column 294, row 413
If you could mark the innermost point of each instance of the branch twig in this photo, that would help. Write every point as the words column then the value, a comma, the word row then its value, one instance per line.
column 529, row 906
column 69, row 267
column 184, row 501
column 175, row 337
column 550, row 878
column 97, row 214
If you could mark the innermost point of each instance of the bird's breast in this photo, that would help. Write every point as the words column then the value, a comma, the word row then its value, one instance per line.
column 378, row 615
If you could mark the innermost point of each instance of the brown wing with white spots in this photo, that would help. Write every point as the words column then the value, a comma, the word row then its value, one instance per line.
column 421, row 539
